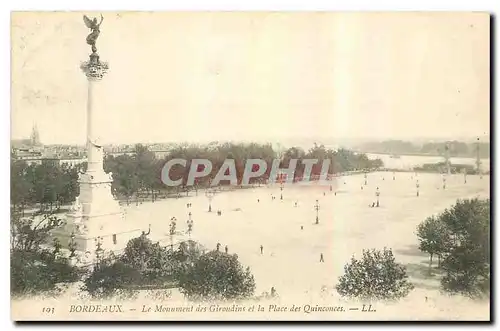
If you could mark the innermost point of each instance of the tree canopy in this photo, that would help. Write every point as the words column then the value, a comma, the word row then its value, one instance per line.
column 139, row 175
column 376, row 276
column 461, row 236
column 217, row 276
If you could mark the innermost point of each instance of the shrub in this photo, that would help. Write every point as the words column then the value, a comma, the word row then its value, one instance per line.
column 375, row 276
column 217, row 276
column 110, row 279
column 33, row 273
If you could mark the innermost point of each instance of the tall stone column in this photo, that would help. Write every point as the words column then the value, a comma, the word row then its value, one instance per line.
column 95, row 215
column 95, row 185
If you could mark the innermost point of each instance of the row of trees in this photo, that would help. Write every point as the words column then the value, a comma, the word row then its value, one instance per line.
column 50, row 184
column 141, row 171
column 460, row 239
column 442, row 167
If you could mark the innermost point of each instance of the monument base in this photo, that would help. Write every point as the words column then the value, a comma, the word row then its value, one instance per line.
column 95, row 216
column 113, row 234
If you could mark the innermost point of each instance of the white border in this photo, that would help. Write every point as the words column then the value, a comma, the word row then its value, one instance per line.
column 491, row 6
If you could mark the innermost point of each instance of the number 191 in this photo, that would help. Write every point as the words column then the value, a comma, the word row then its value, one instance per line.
column 49, row 310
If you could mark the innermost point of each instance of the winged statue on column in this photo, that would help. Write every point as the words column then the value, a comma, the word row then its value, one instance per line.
column 94, row 34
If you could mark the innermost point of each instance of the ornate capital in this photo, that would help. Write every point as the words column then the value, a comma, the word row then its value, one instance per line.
column 94, row 69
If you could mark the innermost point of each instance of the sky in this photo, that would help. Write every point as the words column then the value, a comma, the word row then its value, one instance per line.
column 204, row 76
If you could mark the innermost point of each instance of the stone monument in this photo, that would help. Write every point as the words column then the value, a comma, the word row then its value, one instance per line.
column 95, row 216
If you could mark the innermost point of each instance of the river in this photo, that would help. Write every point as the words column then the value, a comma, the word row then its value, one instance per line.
column 406, row 162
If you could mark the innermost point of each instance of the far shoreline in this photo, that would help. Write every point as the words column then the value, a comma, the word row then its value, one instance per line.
column 421, row 154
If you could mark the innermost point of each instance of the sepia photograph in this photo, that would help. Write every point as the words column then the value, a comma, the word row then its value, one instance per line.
column 250, row 166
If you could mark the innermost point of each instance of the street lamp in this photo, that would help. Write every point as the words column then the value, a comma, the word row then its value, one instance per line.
column 316, row 207
column 99, row 251
column 72, row 245
column 210, row 193
column 478, row 160
column 377, row 193
column 281, row 188
column 418, row 186
column 57, row 246
column 189, row 224
column 173, row 225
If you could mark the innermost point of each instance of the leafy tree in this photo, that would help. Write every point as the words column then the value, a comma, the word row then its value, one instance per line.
column 143, row 264
column 467, row 264
column 434, row 238
column 35, row 270
column 20, row 186
column 70, row 188
column 39, row 272
column 125, row 178
column 139, row 253
column 217, row 276
column 28, row 233
column 376, row 276
column 154, row 263
column 146, row 168
column 112, row 278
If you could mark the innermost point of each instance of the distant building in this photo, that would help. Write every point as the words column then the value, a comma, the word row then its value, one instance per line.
column 32, row 151
column 70, row 161
column 39, row 159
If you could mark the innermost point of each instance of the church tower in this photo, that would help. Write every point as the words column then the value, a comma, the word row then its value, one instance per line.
column 35, row 136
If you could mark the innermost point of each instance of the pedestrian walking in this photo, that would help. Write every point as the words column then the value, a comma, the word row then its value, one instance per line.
column 261, row 249
column 321, row 259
